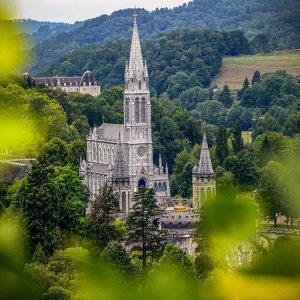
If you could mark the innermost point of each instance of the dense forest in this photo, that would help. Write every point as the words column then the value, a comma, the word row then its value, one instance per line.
column 178, row 60
column 270, row 25
column 71, row 253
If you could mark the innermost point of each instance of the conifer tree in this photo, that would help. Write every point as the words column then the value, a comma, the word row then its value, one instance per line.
column 256, row 77
column 266, row 151
column 102, row 213
column 246, row 84
column 140, row 222
column 238, row 140
column 225, row 96
column 221, row 147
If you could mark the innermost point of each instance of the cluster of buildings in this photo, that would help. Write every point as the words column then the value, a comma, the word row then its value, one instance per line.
column 85, row 84
column 122, row 156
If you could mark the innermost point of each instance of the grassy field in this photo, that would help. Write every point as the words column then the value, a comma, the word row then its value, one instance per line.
column 236, row 68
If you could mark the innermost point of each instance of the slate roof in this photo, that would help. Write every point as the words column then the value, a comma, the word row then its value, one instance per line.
column 110, row 131
column 85, row 79
column 99, row 168
column 205, row 166
column 10, row 170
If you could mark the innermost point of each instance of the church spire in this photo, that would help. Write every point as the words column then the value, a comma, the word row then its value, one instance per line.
column 205, row 167
column 136, row 59
column 136, row 73
column 120, row 171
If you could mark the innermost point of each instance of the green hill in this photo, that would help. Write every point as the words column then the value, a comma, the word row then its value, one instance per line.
column 275, row 18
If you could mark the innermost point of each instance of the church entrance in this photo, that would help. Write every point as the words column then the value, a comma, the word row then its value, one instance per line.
column 142, row 182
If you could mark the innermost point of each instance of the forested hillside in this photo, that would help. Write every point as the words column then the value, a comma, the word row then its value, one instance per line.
column 271, row 24
column 179, row 60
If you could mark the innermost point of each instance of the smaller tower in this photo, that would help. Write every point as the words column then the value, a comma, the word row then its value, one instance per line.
column 120, row 179
column 204, row 184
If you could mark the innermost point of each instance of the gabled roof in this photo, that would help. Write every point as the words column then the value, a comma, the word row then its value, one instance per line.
column 85, row 80
column 10, row 170
column 110, row 131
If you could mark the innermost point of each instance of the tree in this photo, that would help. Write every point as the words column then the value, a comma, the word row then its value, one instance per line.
column 225, row 96
column 76, row 150
column 174, row 259
column 271, row 191
column 246, row 84
column 256, row 77
column 101, row 215
column 55, row 153
column 70, row 190
column 116, row 256
column 264, row 124
column 221, row 144
column 247, row 171
column 292, row 124
column 266, row 151
column 40, row 203
column 3, row 200
column 260, row 43
column 53, row 204
column 140, row 222
column 237, row 138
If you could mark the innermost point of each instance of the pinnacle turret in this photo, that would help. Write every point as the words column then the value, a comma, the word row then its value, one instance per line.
column 120, row 171
column 205, row 166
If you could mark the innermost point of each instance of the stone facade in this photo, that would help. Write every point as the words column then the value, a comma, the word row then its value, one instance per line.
column 204, row 184
column 130, row 144
column 85, row 84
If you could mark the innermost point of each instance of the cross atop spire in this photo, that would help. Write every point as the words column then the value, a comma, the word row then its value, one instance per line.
column 205, row 167
column 136, row 59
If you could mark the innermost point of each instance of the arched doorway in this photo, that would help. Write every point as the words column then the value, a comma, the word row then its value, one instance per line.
column 142, row 182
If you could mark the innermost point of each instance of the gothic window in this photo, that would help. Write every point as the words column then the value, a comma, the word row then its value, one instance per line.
column 209, row 193
column 137, row 110
column 143, row 110
column 94, row 153
column 108, row 155
column 202, row 193
column 104, row 155
column 127, row 111
column 123, row 201
column 140, row 84
column 99, row 154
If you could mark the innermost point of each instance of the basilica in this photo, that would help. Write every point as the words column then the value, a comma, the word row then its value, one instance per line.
column 122, row 154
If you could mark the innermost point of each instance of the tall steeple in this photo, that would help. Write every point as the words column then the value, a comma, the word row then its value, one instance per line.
column 204, row 184
column 205, row 167
column 136, row 73
column 136, row 60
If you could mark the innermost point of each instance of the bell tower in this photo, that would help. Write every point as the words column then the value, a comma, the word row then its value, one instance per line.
column 137, row 115
column 204, row 184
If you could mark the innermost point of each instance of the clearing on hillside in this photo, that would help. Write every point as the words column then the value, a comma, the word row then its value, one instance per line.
column 236, row 68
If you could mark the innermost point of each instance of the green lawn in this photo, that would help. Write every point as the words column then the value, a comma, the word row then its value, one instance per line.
column 236, row 68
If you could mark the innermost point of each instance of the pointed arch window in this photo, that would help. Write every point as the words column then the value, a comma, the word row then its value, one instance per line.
column 123, row 201
column 143, row 110
column 140, row 84
column 137, row 110
column 127, row 111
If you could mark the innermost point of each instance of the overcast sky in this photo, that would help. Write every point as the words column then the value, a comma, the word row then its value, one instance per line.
column 76, row 10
